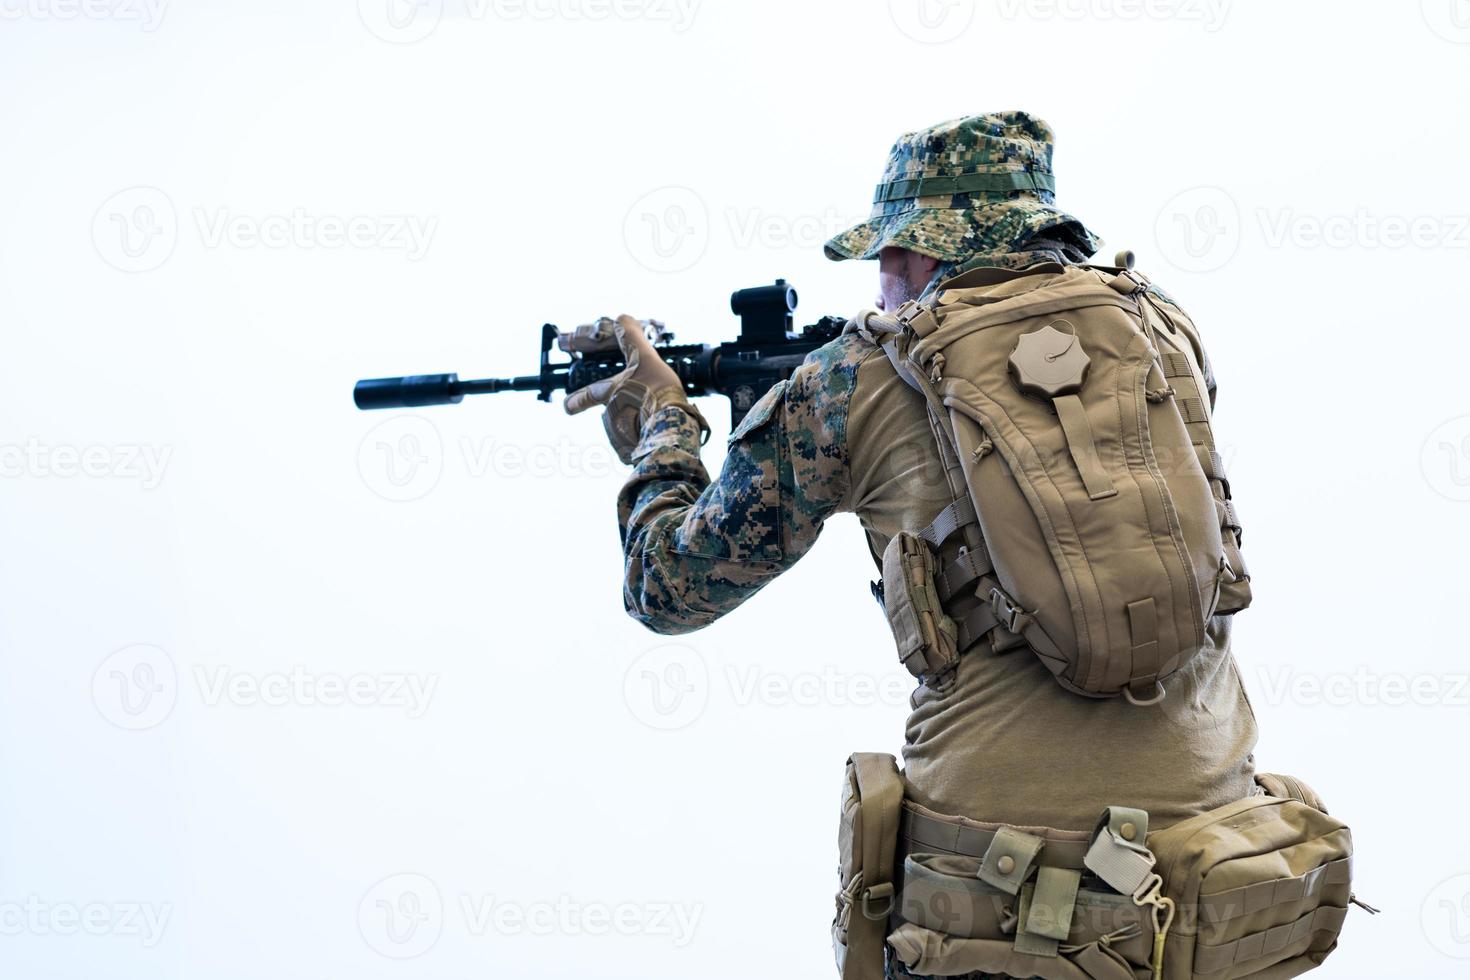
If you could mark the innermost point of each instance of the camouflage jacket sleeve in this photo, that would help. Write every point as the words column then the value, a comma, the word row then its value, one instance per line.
column 696, row 549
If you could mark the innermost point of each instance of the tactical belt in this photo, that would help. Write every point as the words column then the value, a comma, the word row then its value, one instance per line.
column 919, row 832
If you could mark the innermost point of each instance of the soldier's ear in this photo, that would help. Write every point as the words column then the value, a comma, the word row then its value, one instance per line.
column 922, row 267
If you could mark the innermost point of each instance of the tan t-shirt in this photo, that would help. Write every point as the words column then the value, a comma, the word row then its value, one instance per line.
column 1006, row 742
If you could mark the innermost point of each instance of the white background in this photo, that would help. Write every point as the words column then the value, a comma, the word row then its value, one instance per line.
column 200, row 536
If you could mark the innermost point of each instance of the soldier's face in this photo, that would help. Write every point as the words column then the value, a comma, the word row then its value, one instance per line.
column 902, row 275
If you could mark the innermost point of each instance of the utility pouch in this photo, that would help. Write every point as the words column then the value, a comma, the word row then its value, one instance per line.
column 1260, row 887
column 925, row 635
column 1054, row 926
column 872, row 799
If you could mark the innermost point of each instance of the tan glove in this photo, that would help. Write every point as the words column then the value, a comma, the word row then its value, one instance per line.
column 635, row 393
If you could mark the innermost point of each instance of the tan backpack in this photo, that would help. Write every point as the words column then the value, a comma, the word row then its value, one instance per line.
column 1093, row 519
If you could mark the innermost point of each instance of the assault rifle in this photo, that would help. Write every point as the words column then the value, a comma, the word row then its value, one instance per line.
column 766, row 352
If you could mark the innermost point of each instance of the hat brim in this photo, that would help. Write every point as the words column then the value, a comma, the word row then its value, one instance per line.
column 947, row 234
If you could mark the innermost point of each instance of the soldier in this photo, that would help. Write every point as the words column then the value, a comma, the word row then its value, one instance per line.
column 1001, row 741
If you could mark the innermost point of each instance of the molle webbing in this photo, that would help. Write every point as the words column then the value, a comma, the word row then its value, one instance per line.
column 1249, row 899
column 961, row 566
column 1184, row 383
column 1212, row 961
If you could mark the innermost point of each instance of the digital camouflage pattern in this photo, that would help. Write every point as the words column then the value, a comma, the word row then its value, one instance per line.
column 696, row 549
column 971, row 191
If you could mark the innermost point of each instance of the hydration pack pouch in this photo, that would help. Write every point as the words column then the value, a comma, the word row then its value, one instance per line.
column 872, row 799
column 1076, row 401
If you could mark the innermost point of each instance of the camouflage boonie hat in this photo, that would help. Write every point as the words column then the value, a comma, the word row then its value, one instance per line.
column 966, row 186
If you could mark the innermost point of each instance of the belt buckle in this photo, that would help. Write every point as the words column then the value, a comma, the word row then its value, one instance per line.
column 1010, row 615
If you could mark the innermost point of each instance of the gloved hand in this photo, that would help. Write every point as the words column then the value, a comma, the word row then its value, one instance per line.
column 635, row 393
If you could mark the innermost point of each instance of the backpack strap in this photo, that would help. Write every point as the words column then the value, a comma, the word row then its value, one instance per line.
column 955, row 533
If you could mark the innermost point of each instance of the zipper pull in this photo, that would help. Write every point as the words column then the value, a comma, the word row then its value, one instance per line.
column 1355, row 900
